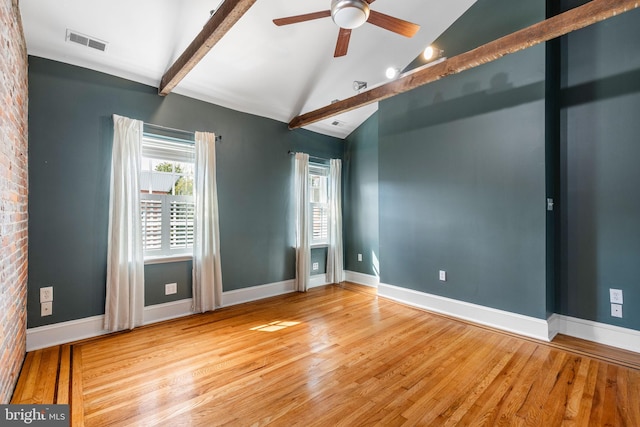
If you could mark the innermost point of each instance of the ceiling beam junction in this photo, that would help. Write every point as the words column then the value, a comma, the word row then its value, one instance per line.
column 229, row 12
column 559, row 25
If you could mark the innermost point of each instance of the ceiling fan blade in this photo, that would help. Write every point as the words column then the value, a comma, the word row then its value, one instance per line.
column 343, row 43
column 302, row 18
column 396, row 25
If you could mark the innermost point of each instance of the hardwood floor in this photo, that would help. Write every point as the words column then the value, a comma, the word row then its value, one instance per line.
column 332, row 356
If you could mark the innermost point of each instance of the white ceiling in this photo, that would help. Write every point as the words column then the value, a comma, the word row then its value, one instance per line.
column 257, row 67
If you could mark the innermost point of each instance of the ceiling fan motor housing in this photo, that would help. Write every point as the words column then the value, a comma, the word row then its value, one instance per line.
column 349, row 14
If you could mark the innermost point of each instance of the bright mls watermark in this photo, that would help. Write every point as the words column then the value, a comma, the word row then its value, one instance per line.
column 34, row 415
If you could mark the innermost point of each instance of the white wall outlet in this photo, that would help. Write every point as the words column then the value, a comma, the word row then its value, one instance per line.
column 170, row 288
column 615, row 296
column 46, row 294
column 616, row 310
column 443, row 276
column 315, row 266
column 46, row 309
column 359, row 257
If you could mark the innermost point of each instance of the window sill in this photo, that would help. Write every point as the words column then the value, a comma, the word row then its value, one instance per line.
column 167, row 259
column 320, row 245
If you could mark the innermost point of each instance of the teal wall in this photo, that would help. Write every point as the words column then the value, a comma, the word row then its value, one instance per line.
column 465, row 164
column 360, row 212
column 462, row 186
column 600, row 176
column 70, row 133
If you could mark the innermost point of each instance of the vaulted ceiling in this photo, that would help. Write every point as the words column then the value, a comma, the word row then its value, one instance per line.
column 257, row 67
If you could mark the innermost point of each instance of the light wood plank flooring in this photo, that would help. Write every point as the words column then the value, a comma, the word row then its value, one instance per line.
column 332, row 356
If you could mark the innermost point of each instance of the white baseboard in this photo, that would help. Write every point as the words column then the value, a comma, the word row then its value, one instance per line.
column 361, row 278
column 254, row 293
column 65, row 332
column 601, row 333
column 75, row 330
column 318, row 280
column 500, row 319
column 167, row 311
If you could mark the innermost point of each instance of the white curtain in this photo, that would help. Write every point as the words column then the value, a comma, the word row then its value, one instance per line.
column 335, row 265
column 207, row 274
column 303, row 235
column 125, row 258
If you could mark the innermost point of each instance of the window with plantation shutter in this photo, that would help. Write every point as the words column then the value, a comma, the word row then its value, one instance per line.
column 319, row 201
column 166, row 204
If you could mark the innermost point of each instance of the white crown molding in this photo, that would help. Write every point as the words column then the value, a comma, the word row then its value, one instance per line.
column 601, row 333
column 361, row 278
column 499, row 319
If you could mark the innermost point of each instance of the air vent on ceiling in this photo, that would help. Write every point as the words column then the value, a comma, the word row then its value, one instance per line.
column 337, row 123
column 92, row 42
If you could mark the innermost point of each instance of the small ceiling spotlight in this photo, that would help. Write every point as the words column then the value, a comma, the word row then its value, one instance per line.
column 392, row 73
column 357, row 85
column 430, row 53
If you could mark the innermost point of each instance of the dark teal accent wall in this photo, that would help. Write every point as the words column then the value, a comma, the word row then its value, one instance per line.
column 600, row 105
column 158, row 275
column 462, row 175
column 319, row 255
column 70, row 132
column 360, row 212
column 462, row 186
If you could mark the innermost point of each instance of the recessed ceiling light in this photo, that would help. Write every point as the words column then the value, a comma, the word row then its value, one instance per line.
column 430, row 53
column 392, row 73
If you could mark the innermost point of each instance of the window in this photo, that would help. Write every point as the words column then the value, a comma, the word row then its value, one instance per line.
column 166, row 203
column 319, row 201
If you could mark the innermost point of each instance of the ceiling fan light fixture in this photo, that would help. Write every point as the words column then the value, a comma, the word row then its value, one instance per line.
column 349, row 14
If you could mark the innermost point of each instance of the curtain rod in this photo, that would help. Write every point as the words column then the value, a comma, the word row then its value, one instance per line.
column 312, row 157
column 218, row 137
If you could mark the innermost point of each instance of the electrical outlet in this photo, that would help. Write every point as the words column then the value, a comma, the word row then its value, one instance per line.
column 443, row 276
column 359, row 257
column 46, row 309
column 616, row 310
column 315, row 266
column 170, row 288
column 46, row 294
column 615, row 296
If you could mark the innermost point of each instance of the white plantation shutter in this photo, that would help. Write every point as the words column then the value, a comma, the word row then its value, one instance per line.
column 319, row 222
column 181, row 223
column 151, row 214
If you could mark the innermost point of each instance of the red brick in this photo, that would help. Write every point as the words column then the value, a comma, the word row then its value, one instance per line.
column 13, row 196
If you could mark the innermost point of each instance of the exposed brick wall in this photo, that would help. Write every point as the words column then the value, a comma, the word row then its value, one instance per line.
column 13, row 196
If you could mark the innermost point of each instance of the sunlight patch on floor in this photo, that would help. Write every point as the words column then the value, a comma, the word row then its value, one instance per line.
column 274, row 326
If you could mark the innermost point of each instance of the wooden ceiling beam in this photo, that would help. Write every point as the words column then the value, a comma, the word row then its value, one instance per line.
column 559, row 25
column 219, row 24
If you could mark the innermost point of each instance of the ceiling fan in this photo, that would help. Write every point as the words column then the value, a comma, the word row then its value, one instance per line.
column 350, row 14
